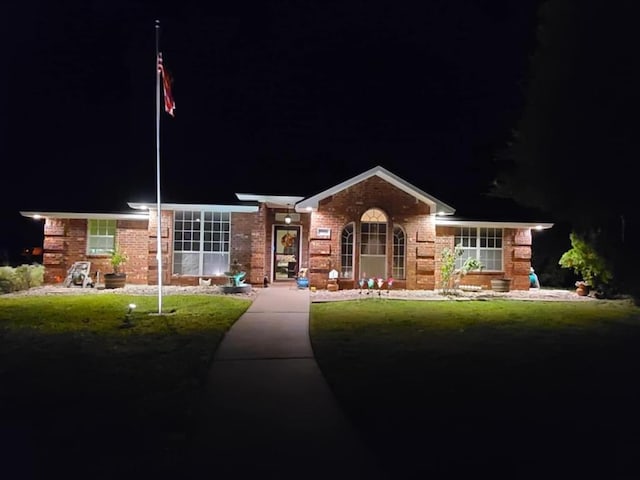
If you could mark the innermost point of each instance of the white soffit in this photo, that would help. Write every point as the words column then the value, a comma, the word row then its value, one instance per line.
column 271, row 201
column 195, row 206
column 88, row 216
column 450, row 222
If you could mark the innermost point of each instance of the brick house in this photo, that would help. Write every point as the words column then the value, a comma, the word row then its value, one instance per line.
column 372, row 225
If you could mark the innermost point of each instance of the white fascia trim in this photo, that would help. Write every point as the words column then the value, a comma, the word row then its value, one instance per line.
column 449, row 222
column 440, row 207
column 195, row 206
column 87, row 216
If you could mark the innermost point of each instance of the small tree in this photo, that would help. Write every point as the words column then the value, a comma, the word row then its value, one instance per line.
column 118, row 258
column 448, row 267
column 448, row 272
column 586, row 262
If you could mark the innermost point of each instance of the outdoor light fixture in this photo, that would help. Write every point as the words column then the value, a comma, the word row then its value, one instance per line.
column 127, row 323
column 287, row 219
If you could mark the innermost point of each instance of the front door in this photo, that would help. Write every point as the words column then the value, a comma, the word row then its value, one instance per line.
column 286, row 248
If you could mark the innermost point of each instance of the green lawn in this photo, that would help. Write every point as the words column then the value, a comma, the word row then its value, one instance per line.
column 84, row 396
column 494, row 389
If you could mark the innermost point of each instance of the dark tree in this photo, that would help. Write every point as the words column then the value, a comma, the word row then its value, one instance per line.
column 574, row 150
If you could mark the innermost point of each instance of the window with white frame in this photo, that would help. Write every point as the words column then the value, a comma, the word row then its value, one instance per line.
column 399, row 256
column 101, row 237
column 201, row 242
column 346, row 252
column 373, row 243
column 485, row 244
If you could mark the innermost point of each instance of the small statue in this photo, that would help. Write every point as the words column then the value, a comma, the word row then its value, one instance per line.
column 236, row 275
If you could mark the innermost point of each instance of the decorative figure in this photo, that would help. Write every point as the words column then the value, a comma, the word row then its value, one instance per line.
column 533, row 279
column 236, row 279
column 288, row 243
column 369, row 285
column 361, row 284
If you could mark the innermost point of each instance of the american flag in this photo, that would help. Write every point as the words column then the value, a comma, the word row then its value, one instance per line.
column 169, row 104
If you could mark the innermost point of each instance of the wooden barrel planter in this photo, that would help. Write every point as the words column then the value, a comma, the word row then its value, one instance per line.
column 501, row 284
column 114, row 280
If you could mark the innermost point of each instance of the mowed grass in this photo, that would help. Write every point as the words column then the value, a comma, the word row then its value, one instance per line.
column 83, row 395
column 494, row 389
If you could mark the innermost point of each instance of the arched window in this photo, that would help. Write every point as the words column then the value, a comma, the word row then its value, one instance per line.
column 373, row 243
column 346, row 252
column 399, row 255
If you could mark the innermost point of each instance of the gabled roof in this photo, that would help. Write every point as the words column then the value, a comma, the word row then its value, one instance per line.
column 440, row 207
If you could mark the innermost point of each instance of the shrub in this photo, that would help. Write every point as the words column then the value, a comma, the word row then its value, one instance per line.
column 21, row 278
column 583, row 259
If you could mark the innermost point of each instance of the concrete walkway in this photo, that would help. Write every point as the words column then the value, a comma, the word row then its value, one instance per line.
column 269, row 412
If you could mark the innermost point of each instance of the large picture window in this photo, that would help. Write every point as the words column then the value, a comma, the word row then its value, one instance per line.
column 101, row 237
column 346, row 252
column 201, row 242
column 485, row 244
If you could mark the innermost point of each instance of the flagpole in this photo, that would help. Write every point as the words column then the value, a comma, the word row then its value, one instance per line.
column 158, row 209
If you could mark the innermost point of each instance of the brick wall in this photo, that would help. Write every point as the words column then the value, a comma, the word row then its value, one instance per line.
column 166, row 226
column 247, row 233
column 402, row 210
column 65, row 242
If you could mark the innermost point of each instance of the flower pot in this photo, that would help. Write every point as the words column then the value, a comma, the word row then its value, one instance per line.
column 501, row 284
column 583, row 291
column 114, row 280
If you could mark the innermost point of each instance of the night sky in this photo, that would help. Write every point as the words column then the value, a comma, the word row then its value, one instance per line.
column 282, row 97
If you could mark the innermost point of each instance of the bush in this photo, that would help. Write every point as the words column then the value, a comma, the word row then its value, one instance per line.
column 586, row 262
column 21, row 278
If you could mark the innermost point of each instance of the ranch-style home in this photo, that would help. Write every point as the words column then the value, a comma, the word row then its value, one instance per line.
column 374, row 225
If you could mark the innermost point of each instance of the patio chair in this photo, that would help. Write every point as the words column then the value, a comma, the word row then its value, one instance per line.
column 79, row 275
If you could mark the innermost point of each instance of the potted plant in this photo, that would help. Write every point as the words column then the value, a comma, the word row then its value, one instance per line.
column 117, row 278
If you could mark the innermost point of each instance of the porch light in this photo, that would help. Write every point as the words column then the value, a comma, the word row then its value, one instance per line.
column 287, row 219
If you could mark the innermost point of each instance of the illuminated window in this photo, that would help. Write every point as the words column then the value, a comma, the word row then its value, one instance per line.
column 373, row 244
column 346, row 252
column 101, row 237
column 399, row 255
column 485, row 244
column 201, row 242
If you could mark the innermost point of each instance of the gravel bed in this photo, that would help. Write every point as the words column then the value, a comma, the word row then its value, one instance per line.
column 315, row 296
column 128, row 290
column 533, row 294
